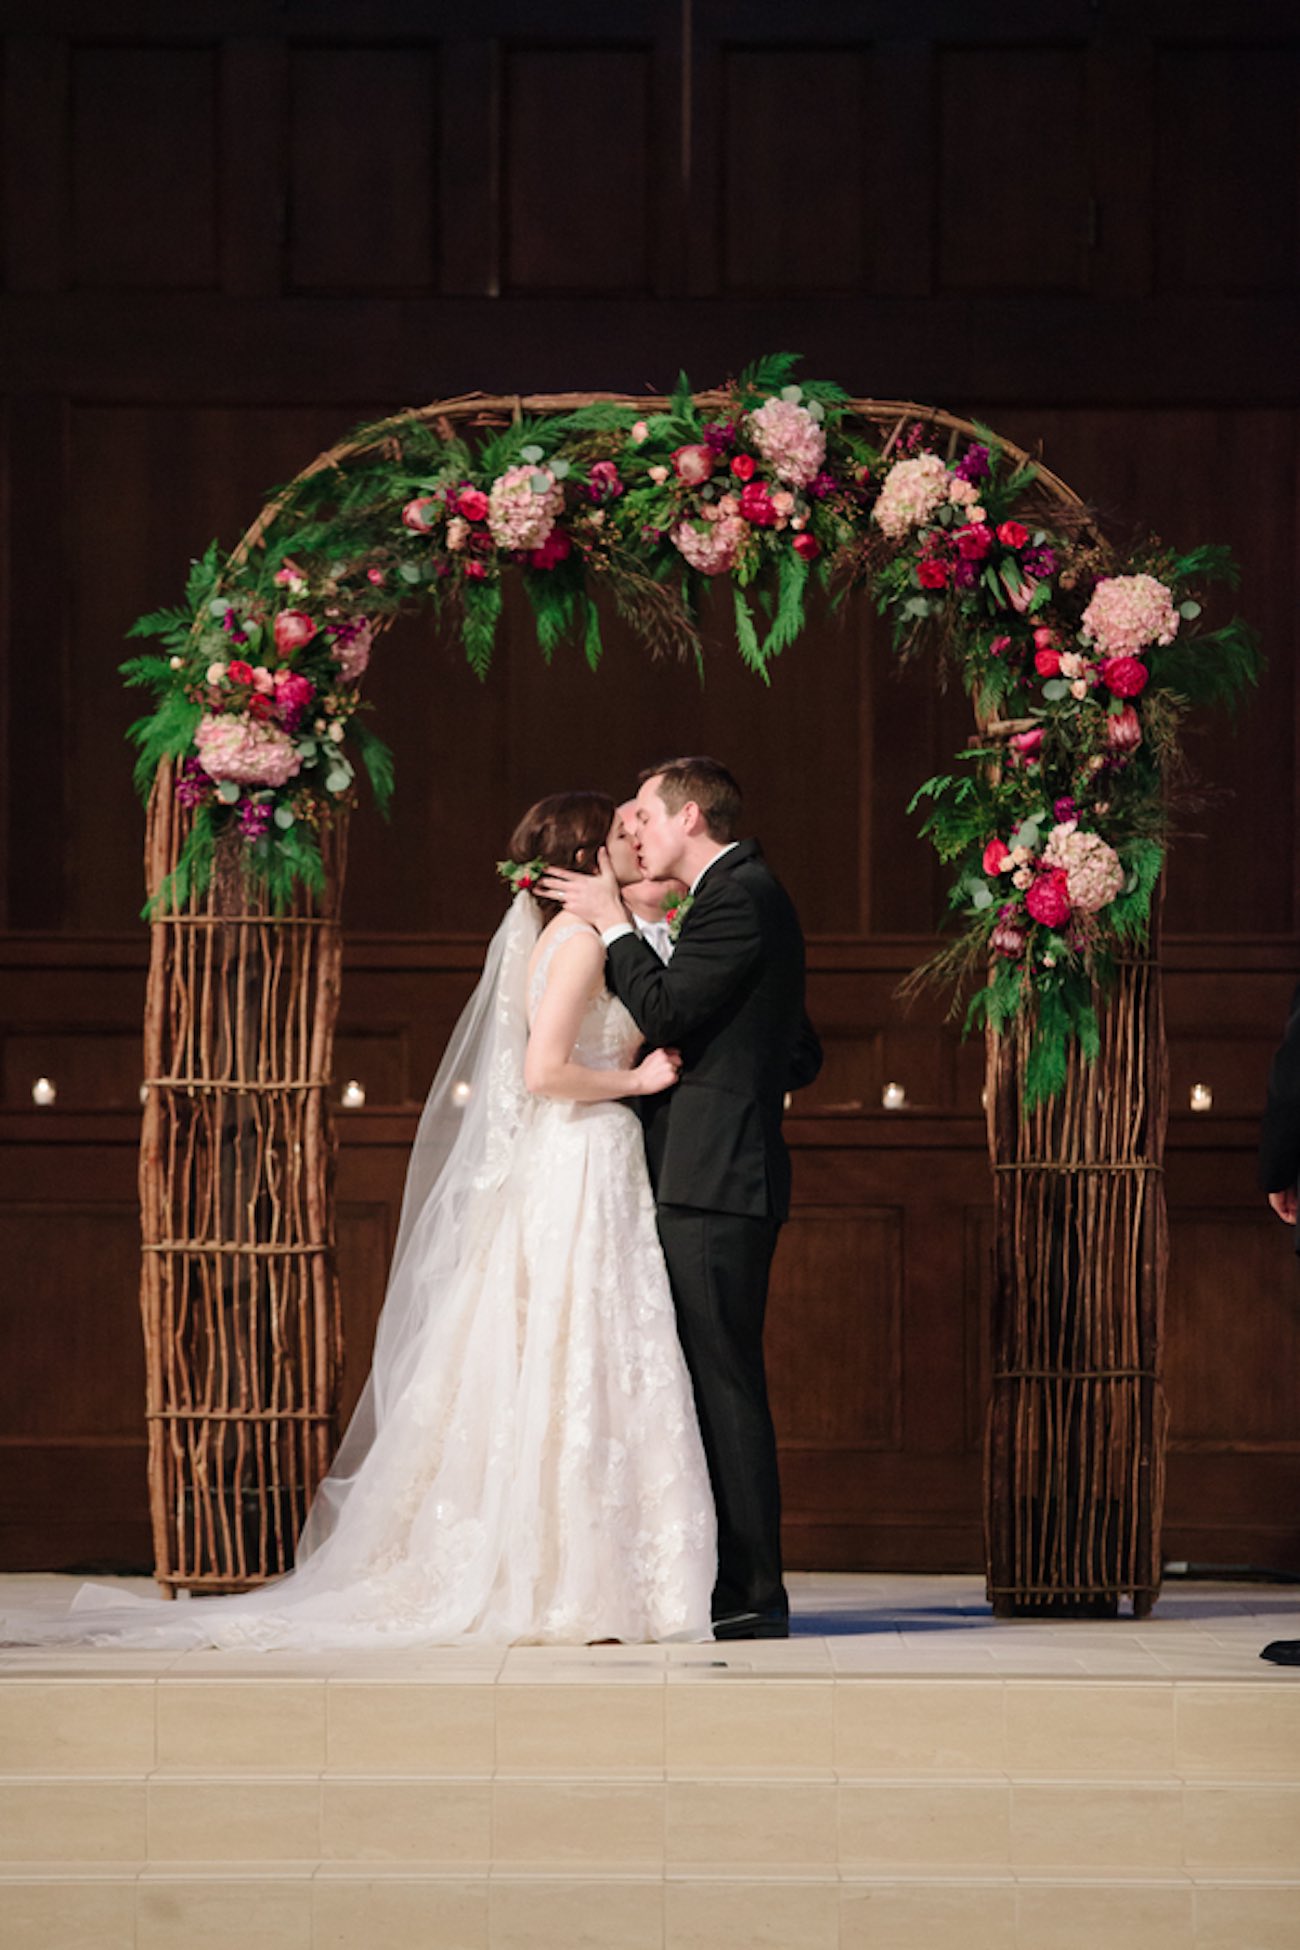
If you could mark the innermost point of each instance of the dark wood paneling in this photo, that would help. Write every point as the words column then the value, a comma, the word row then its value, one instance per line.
column 1228, row 169
column 144, row 167
column 801, row 228
column 834, row 1331
column 596, row 234
column 1001, row 226
column 363, row 135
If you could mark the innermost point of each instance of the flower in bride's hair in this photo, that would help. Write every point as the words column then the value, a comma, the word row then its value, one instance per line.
column 521, row 876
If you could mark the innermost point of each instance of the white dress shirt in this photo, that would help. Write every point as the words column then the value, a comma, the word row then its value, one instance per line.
column 656, row 933
column 610, row 935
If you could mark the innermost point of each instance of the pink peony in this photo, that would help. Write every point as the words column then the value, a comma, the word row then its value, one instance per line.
column 790, row 440
column 1025, row 744
column 808, row 546
column 351, row 646
column 711, row 548
column 1048, row 900
column 974, row 543
column 520, row 514
column 912, row 491
column 1128, row 613
column 994, row 854
column 693, row 465
column 293, row 631
column 1093, row 874
column 421, row 513
column 1125, row 676
column 248, row 753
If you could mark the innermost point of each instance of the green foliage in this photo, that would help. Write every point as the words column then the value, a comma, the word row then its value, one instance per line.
column 192, row 872
column 746, row 635
column 378, row 762
column 482, row 612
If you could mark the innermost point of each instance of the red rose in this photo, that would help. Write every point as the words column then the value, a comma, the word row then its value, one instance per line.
column 1048, row 899
column 239, row 672
column 554, row 549
column 261, row 708
column 418, row 514
column 808, row 546
column 1012, row 534
column 670, row 915
column 994, row 854
column 1123, row 730
column 293, row 631
column 1025, row 744
column 472, row 503
column 756, row 505
column 973, row 544
column 693, row 465
column 932, row 574
column 1047, row 663
column 1125, row 676
column 742, row 466
column 474, row 569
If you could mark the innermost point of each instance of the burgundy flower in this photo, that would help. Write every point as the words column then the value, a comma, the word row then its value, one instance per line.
column 554, row 549
column 808, row 546
column 693, row 465
column 470, row 502
column 1125, row 676
column 603, row 482
column 932, row 573
column 973, row 465
column 974, row 542
column 756, row 505
column 1048, row 899
column 1013, row 534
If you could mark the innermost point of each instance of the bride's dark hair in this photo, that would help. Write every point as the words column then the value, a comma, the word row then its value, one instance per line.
column 567, row 829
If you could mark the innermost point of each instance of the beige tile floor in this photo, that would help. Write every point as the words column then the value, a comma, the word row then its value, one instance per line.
column 850, row 1623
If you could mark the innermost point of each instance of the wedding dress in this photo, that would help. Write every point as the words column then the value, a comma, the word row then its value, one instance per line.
column 525, row 1464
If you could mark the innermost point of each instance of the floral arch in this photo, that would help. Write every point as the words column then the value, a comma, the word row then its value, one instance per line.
column 1080, row 660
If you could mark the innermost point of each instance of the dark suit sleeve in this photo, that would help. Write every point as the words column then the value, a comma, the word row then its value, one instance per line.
column 1279, row 1143
column 718, row 946
column 805, row 1057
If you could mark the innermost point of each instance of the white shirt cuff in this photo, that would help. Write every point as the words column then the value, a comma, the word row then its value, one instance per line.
column 610, row 935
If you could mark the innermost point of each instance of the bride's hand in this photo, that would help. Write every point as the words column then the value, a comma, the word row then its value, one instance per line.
column 592, row 897
column 658, row 1072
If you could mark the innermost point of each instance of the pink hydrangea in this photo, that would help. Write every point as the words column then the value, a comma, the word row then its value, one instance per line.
column 1129, row 612
column 790, row 440
column 245, row 751
column 520, row 515
column 912, row 491
column 352, row 643
column 1092, row 870
column 711, row 549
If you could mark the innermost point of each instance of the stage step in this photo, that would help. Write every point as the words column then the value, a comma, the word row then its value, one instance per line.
column 660, row 1800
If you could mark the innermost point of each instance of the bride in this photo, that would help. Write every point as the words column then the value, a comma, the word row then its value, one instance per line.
column 524, row 1465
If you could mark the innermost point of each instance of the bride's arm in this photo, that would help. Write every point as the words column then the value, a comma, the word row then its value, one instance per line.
column 549, row 1069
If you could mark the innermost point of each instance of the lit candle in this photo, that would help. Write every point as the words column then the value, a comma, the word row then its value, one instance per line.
column 460, row 1095
column 354, row 1095
column 1201, row 1097
column 43, row 1092
column 893, row 1096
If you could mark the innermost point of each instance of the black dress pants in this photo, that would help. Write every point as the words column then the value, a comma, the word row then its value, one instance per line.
column 718, row 1263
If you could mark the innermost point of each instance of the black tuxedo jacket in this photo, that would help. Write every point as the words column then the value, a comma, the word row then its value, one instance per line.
column 732, row 1001
column 1279, row 1142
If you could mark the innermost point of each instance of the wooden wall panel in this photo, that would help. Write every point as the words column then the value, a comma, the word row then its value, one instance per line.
column 1227, row 169
column 806, row 228
column 143, row 146
column 834, row 1333
column 1029, row 230
column 363, row 139
column 595, row 102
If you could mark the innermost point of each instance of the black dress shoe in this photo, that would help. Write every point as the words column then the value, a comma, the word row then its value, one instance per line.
column 752, row 1625
column 1282, row 1652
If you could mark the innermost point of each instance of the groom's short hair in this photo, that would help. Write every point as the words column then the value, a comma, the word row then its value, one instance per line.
column 706, row 782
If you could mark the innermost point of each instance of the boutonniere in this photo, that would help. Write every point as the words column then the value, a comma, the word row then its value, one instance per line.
column 521, row 878
column 676, row 907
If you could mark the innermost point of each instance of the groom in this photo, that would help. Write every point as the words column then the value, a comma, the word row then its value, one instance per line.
column 732, row 1001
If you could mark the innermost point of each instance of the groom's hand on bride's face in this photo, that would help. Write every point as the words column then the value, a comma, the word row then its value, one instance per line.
column 590, row 897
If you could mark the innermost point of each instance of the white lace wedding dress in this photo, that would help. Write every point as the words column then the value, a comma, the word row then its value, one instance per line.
column 525, row 1465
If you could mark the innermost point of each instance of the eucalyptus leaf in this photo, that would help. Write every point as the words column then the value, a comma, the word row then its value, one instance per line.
column 530, row 454
column 792, row 393
column 816, row 410
column 218, row 606
column 1026, row 834
column 1055, row 689
column 338, row 780
column 1189, row 609
column 981, row 897
column 228, row 792
column 560, row 468
column 409, row 572
column 285, row 817
column 917, row 606
column 539, row 483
